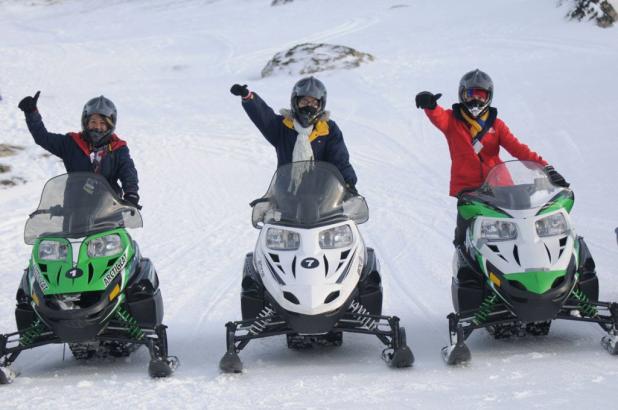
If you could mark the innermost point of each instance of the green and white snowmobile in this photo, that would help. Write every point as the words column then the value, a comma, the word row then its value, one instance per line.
column 522, row 265
column 87, row 284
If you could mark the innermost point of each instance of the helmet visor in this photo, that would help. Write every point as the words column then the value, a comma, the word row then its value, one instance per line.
column 477, row 94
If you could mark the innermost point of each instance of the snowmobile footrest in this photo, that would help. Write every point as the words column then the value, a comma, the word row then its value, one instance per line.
column 230, row 363
column 610, row 343
column 401, row 357
column 162, row 367
column 456, row 354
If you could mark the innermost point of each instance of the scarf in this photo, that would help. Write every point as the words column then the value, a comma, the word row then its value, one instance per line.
column 475, row 125
column 302, row 153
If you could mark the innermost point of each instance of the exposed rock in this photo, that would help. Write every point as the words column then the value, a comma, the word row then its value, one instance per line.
column 311, row 58
column 7, row 183
column 280, row 2
column 601, row 11
column 8, row 150
column 4, row 168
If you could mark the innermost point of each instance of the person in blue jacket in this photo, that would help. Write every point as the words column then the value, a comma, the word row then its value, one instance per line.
column 95, row 149
column 304, row 132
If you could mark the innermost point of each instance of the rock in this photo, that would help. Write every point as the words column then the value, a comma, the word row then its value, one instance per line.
column 601, row 11
column 309, row 58
column 4, row 168
column 7, row 183
column 8, row 150
column 280, row 2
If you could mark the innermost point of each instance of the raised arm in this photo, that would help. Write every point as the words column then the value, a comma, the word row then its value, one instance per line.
column 436, row 114
column 54, row 143
column 260, row 113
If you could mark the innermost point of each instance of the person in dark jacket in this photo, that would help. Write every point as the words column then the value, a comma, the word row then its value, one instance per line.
column 475, row 134
column 95, row 149
column 304, row 132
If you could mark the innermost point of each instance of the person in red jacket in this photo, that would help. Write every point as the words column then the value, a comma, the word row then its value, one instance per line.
column 474, row 134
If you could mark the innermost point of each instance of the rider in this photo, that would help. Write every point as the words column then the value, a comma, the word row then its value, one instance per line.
column 95, row 149
column 304, row 132
column 474, row 135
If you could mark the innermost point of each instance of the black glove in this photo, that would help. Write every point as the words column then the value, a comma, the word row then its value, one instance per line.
column 427, row 100
column 28, row 104
column 133, row 199
column 240, row 90
column 555, row 177
column 352, row 189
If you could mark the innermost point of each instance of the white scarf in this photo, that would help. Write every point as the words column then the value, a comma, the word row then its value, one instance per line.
column 302, row 152
column 302, row 147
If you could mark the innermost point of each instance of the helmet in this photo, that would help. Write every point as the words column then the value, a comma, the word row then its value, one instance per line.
column 476, row 91
column 106, row 108
column 308, row 87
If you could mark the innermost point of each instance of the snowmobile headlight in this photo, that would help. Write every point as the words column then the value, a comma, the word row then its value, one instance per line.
column 552, row 225
column 107, row 245
column 53, row 250
column 282, row 239
column 498, row 230
column 337, row 237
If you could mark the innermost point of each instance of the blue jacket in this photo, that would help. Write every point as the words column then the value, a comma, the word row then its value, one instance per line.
column 326, row 139
column 75, row 153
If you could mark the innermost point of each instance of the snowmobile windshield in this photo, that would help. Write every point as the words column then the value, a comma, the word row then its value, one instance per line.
column 308, row 194
column 517, row 185
column 76, row 205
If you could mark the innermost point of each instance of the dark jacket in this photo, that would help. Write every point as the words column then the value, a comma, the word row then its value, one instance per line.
column 326, row 139
column 75, row 153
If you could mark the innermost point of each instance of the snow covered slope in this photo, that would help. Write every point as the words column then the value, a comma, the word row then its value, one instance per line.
column 168, row 66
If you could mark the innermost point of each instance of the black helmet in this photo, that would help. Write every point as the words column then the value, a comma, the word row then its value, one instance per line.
column 308, row 87
column 476, row 91
column 106, row 108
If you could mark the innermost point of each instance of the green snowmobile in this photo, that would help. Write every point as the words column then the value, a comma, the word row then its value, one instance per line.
column 87, row 284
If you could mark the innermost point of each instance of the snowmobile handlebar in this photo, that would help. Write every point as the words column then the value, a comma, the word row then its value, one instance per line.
column 55, row 210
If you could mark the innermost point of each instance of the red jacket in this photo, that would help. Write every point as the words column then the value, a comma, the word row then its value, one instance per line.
column 468, row 170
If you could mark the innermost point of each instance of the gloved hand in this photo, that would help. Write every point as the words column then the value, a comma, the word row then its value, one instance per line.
column 28, row 104
column 133, row 199
column 555, row 177
column 352, row 189
column 240, row 90
column 427, row 100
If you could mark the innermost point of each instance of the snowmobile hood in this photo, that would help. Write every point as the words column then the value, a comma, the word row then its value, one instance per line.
column 534, row 296
column 59, row 274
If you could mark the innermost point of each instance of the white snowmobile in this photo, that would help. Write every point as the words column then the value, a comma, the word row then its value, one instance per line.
column 523, row 264
column 311, row 277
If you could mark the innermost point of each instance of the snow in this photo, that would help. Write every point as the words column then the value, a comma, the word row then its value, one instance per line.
column 168, row 66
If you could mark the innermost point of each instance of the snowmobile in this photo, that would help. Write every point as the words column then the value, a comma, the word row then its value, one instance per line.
column 522, row 265
column 311, row 277
column 86, row 284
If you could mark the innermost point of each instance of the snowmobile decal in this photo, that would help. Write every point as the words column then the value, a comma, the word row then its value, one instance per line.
column 39, row 278
column 310, row 263
column 118, row 266
column 474, row 208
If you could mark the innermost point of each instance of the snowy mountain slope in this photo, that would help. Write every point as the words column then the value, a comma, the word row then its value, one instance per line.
column 168, row 67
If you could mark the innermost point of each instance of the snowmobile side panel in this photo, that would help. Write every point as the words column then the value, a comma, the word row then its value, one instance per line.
column 466, row 297
column 252, row 291
column 148, row 312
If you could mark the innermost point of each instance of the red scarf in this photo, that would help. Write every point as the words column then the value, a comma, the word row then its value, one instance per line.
column 96, row 155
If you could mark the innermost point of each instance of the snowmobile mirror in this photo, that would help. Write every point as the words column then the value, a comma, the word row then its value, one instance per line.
column 356, row 208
